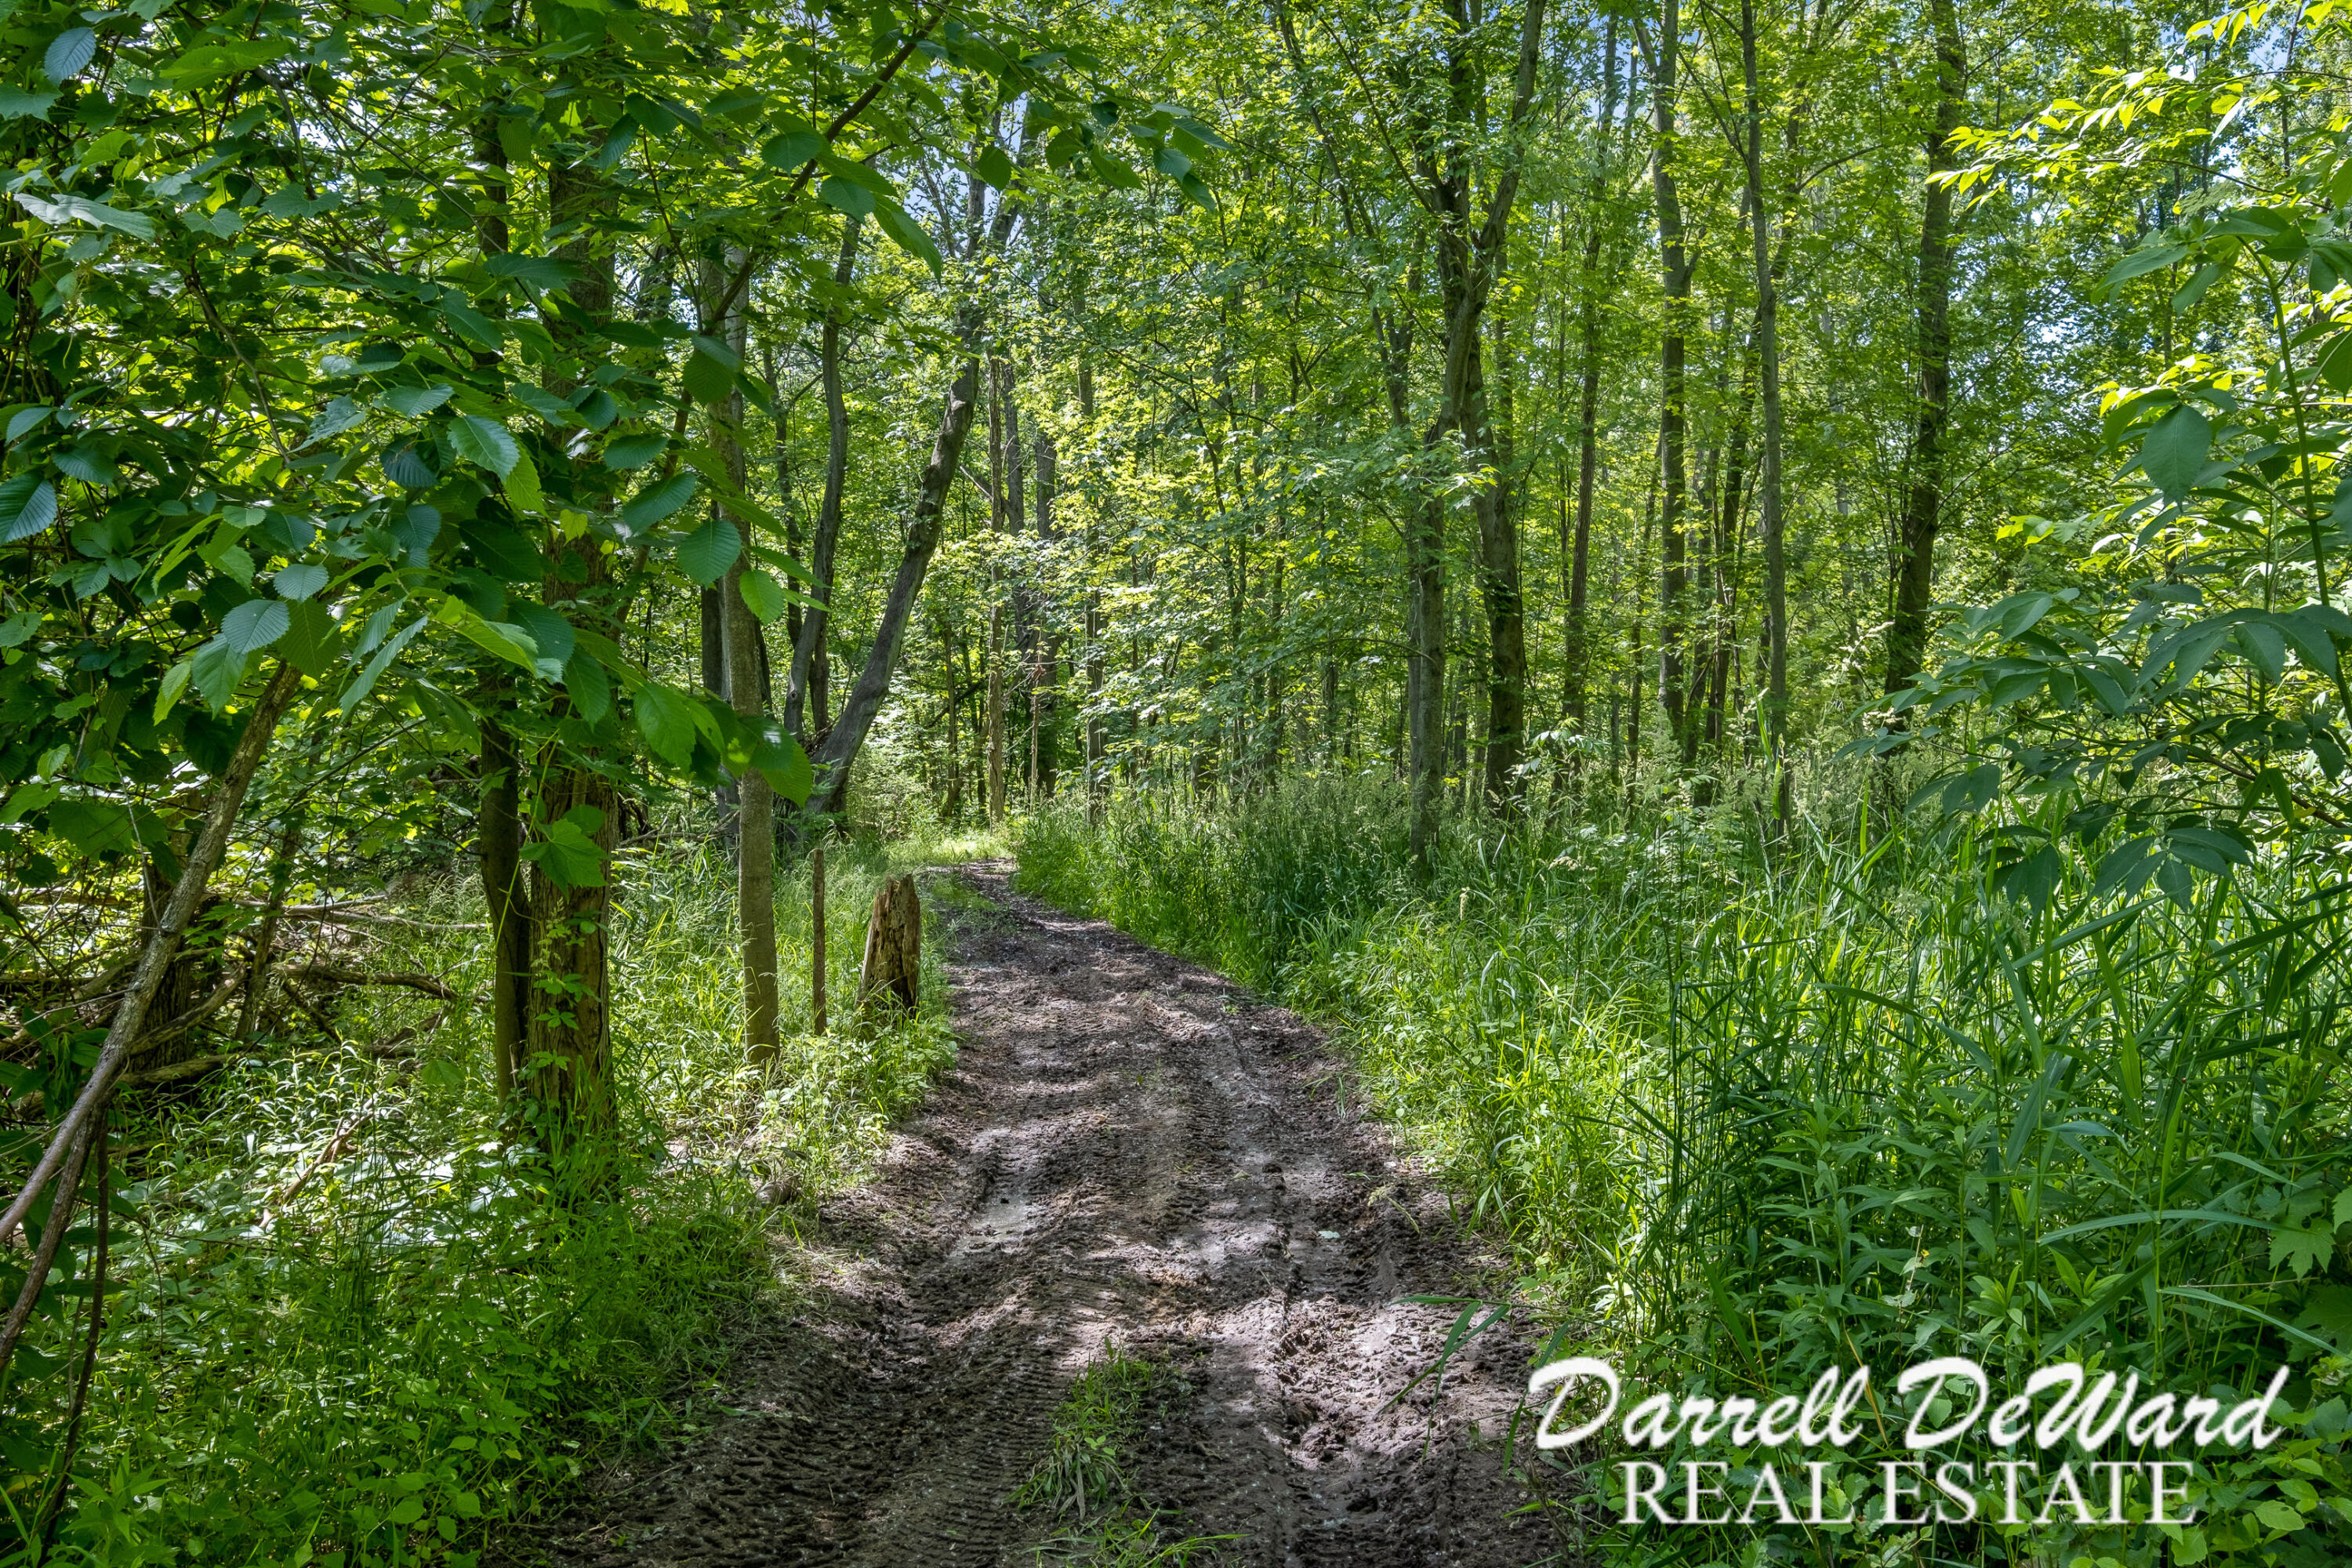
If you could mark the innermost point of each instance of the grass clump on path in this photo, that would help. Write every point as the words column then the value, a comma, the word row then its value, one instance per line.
column 1082, row 1480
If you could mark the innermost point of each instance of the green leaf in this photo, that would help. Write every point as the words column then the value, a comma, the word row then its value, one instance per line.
column 552, row 633
column 175, row 681
column 255, row 624
column 2194, row 290
column 650, row 505
column 534, row 271
column 211, row 62
column 784, row 765
column 994, row 167
column 763, row 595
column 793, row 148
column 2147, row 260
column 909, row 235
column 485, row 443
column 340, row 414
column 2329, row 1307
column 93, row 827
column 15, row 103
column 590, row 689
column 28, row 504
column 69, row 54
column 299, row 581
column 707, row 552
column 415, row 400
column 2173, row 453
column 707, row 380
column 2303, row 1250
column 405, row 465
column 522, row 485
column 626, row 452
column 546, row 404
column 472, row 325
column 846, row 196
column 666, row 721
column 2278, row 1515
column 82, row 209
column 567, row 850
column 2336, row 363
column 219, row 671
column 312, row 641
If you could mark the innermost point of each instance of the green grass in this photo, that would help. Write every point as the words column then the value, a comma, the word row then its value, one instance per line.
column 1742, row 1114
column 387, row 1356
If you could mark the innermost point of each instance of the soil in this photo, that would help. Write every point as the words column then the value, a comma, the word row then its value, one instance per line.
column 1133, row 1151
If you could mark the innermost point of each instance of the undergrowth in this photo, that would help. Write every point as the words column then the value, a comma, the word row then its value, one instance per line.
column 348, row 1325
column 1746, row 1109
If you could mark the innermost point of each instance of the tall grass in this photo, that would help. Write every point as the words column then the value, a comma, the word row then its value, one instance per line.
column 1743, row 1117
column 350, row 1324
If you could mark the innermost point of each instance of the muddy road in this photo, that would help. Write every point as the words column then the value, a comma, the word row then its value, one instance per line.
column 1130, row 1150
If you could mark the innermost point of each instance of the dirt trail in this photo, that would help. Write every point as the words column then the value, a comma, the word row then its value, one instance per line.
column 1129, row 1149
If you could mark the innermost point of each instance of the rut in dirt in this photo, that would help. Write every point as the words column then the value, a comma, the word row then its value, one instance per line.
column 1129, row 1149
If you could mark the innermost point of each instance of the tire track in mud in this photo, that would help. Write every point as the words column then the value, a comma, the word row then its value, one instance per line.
column 1129, row 1149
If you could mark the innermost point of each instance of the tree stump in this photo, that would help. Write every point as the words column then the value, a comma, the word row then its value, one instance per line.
column 894, row 945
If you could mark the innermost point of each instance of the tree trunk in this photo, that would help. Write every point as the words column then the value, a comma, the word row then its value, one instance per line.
column 1915, row 543
column 893, row 963
column 264, row 936
column 500, row 845
column 836, row 757
column 817, row 939
column 1774, row 717
column 809, row 665
column 755, row 836
column 1507, row 646
column 1577, row 654
column 570, row 1028
column 1674, row 279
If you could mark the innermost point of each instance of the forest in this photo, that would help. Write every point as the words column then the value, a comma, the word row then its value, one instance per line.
column 1742, row 602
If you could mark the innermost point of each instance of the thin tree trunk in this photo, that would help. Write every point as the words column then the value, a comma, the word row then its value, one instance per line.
column 755, row 834
column 1774, row 717
column 1674, row 280
column 809, row 667
column 499, row 837
column 500, row 845
column 1507, row 643
column 816, row 939
column 264, row 937
column 570, row 1027
column 836, row 757
column 1922, row 516
column 1577, row 654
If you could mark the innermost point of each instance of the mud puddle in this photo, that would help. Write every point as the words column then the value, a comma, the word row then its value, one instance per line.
column 1130, row 1152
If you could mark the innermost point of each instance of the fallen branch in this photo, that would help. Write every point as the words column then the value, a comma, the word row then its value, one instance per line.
column 336, row 1148
column 342, row 974
column 344, row 914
